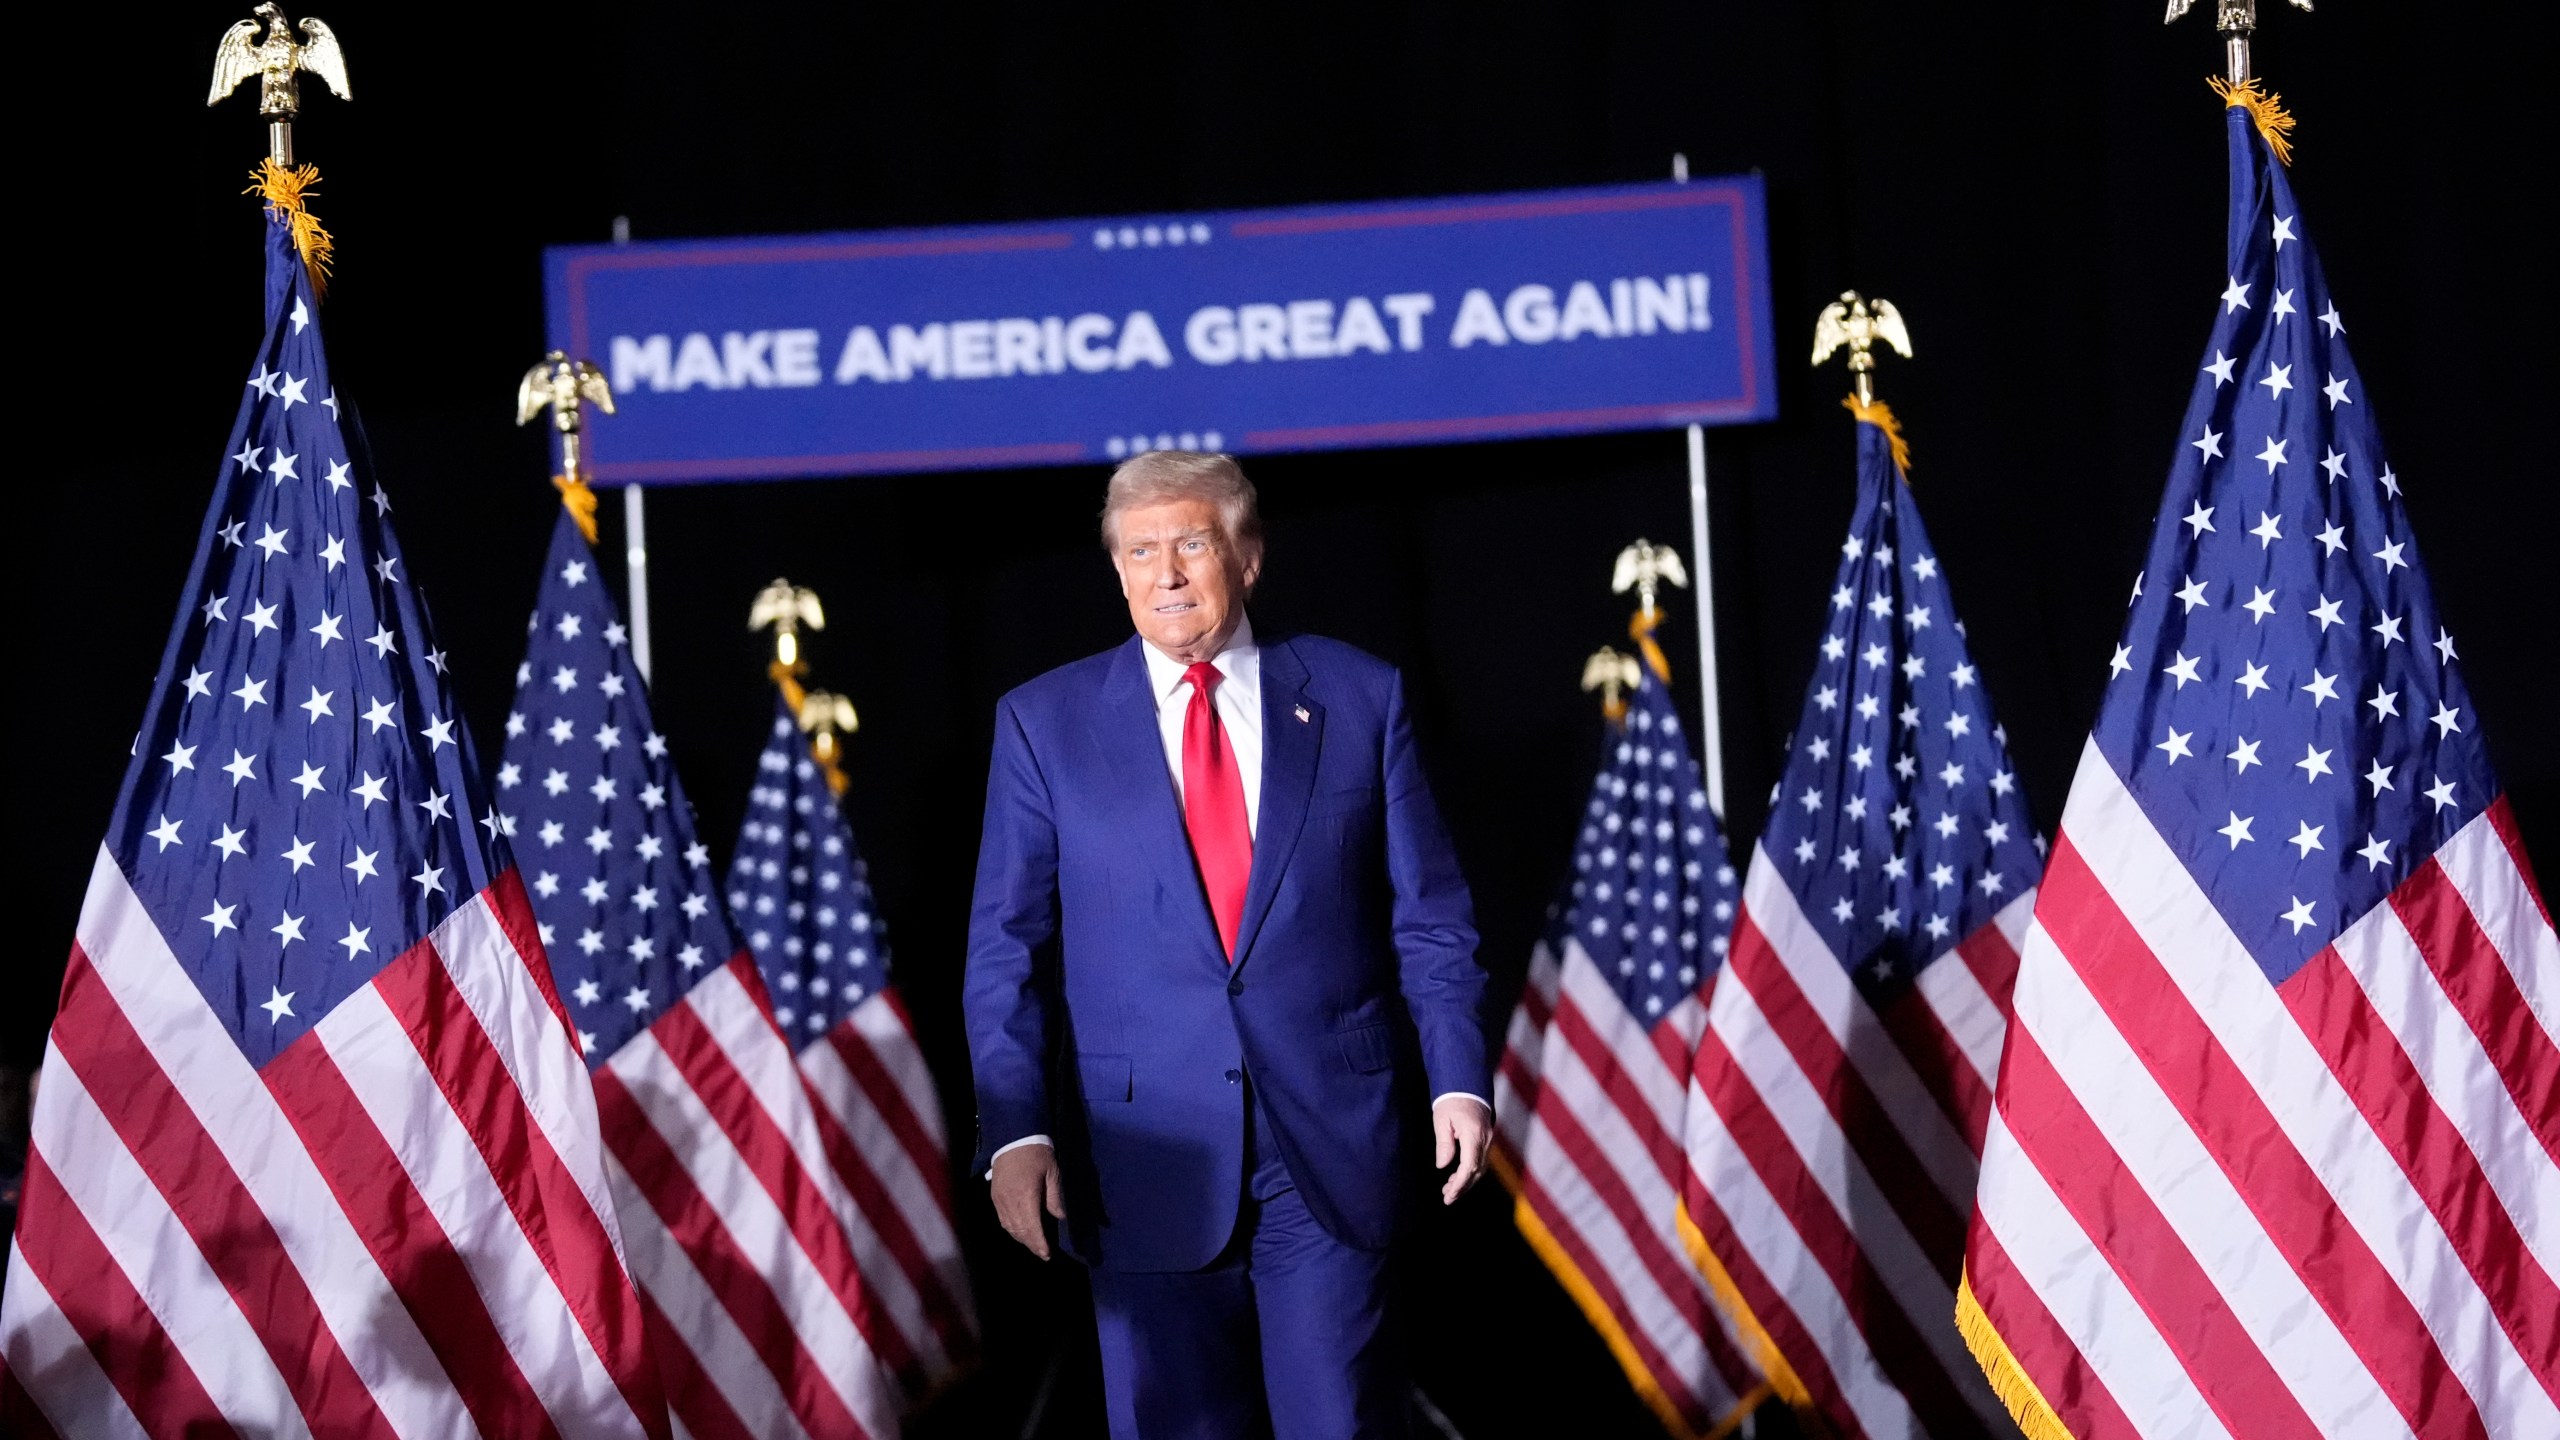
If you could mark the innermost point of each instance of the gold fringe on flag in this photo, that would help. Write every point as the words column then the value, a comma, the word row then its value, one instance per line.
column 285, row 191
column 2265, row 108
column 1880, row 415
column 580, row 503
column 1587, row 1298
column 1640, row 630
column 2008, row 1378
column 1783, row 1380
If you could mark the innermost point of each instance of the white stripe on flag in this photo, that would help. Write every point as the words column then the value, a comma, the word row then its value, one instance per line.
column 385, row 1074
column 224, row 1092
column 1967, row 1012
column 700, row 1322
column 55, row 1366
column 1791, row 1269
column 760, row 1230
column 2227, row 991
column 1589, row 993
column 2056, row 1260
column 1916, row 1116
column 880, row 1021
column 149, row 1244
column 2480, row 866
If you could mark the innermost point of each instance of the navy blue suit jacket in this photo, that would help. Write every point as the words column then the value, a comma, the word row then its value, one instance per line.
column 1102, row 1012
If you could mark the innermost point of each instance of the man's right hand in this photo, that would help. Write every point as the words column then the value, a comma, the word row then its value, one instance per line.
column 1025, row 1185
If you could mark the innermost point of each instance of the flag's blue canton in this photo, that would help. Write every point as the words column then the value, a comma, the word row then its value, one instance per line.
column 1653, row 892
column 1898, row 824
column 2285, row 705
column 621, row 884
column 300, row 808
column 802, row 894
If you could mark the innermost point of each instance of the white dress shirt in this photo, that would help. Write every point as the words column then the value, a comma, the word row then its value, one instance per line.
column 1238, row 696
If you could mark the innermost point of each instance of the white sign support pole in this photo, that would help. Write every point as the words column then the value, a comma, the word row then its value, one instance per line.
column 635, row 555
column 1710, row 743
column 1703, row 588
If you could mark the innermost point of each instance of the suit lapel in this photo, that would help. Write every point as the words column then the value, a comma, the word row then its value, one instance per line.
column 1126, row 733
column 1289, row 748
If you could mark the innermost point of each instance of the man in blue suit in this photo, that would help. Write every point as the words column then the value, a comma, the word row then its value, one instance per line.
column 1219, row 957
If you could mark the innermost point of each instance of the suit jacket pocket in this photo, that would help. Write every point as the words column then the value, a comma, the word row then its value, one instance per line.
column 1367, row 1049
column 1105, row 1077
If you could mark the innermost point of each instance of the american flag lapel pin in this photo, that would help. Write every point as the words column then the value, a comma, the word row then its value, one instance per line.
column 1301, row 713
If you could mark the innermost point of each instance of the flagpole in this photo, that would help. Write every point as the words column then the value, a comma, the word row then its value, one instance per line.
column 635, row 538
column 1710, row 721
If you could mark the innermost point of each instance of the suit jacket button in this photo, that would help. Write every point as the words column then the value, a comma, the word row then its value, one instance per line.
column 1234, row 1075
column 1235, row 986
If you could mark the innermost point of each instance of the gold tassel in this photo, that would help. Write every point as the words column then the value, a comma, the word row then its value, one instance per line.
column 1880, row 415
column 1613, row 708
column 788, row 677
column 580, row 502
column 2265, row 108
column 1640, row 630
column 285, row 192
column 2009, row 1379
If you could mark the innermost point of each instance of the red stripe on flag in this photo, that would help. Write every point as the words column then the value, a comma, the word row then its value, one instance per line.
column 726, row 1271
column 2378, row 1075
column 1778, row 1318
column 1994, row 963
column 1603, row 1180
column 2062, row 1374
column 871, row 1196
column 1944, row 1069
column 1906, row 1184
column 1671, row 1270
column 557, row 1220
column 98, row 1299
column 2112, row 1208
column 767, row 1153
column 386, row 1211
column 19, row 1414
column 2484, row 993
column 691, row 1392
column 1891, row 1336
column 240, row 1246
column 890, row 1104
column 2231, row 1120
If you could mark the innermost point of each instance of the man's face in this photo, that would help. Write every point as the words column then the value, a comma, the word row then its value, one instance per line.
column 1184, row 581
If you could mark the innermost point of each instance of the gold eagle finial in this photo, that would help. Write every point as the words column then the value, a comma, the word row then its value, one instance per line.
column 786, row 607
column 566, row 386
column 2237, row 20
column 826, row 718
column 1643, row 567
column 1612, row 673
column 1858, row 323
column 277, row 59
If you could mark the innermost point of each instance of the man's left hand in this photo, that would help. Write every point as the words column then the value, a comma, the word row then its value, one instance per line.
column 1463, row 1131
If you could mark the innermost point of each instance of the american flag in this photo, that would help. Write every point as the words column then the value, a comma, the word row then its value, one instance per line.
column 1589, row 1091
column 2274, row 1146
column 1839, row 1094
column 741, row 1237
column 314, row 1153
column 801, row 892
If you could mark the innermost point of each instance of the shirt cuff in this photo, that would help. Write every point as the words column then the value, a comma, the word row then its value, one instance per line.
column 1016, row 1145
column 1436, row 1099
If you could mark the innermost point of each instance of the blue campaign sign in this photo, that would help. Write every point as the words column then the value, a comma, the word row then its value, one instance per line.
column 1406, row 322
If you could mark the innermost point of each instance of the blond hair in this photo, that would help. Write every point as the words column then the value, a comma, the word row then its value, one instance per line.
column 1159, row 476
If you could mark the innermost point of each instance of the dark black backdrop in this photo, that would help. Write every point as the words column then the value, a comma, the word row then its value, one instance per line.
column 2039, row 187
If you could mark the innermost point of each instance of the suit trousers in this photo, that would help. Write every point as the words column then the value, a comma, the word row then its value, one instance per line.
column 1289, row 1335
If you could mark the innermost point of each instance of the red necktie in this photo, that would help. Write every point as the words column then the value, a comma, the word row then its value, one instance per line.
column 1213, row 806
